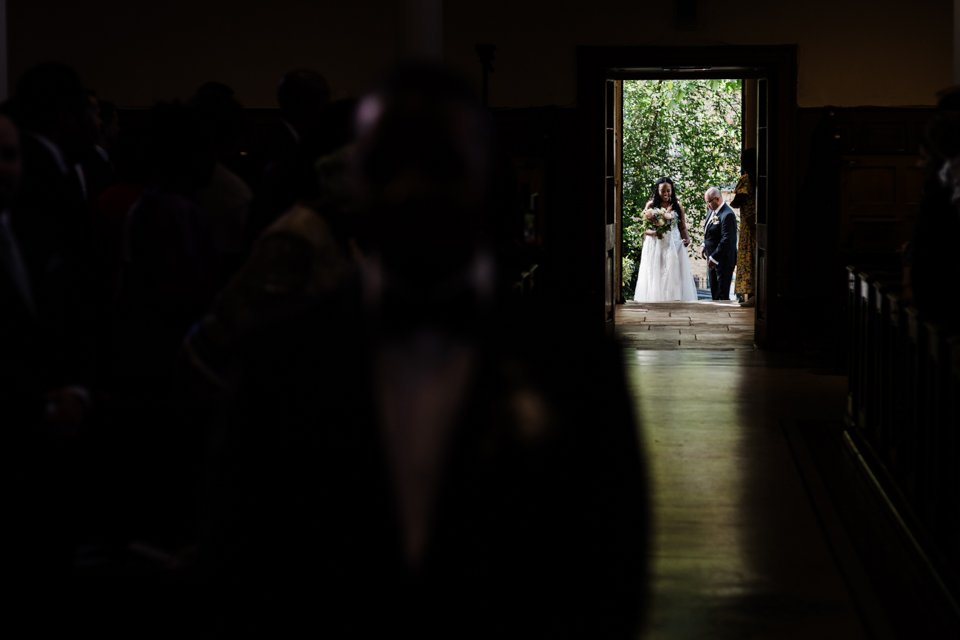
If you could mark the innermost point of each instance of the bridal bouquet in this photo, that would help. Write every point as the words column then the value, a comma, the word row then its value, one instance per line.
column 657, row 220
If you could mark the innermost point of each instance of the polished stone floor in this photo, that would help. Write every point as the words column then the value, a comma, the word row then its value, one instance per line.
column 744, row 542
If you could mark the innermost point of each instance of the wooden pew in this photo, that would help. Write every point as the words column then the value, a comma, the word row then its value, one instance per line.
column 904, row 409
column 951, row 458
column 852, row 343
column 893, row 379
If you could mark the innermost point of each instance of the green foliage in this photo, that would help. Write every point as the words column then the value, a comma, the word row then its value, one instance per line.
column 688, row 130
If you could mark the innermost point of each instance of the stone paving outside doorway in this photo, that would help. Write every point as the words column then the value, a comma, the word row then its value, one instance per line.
column 703, row 325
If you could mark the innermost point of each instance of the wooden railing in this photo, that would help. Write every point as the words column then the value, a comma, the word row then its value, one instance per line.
column 903, row 410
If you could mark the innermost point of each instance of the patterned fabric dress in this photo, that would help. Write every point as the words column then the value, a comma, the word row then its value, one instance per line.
column 746, row 244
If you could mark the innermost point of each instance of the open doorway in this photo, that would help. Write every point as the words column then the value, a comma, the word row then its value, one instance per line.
column 773, row 74
column 690, row 130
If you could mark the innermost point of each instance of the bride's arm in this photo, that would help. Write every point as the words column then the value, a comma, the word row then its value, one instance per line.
column 649, row 204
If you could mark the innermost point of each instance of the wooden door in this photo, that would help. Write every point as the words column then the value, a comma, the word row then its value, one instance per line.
column 612, row 100
column 762, row 197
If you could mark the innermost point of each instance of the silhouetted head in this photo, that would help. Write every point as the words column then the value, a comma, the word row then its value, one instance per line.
column 220, row 115
column 940, row 152
column 422, row 176
column 941, row 137
column 302, row 95
column 180, row 153
column 52, row 101
column 948, row 99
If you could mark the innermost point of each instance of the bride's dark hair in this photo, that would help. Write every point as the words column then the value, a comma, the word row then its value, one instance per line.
column 657, row 201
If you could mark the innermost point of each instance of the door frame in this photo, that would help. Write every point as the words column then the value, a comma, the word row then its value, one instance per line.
column 777, row 66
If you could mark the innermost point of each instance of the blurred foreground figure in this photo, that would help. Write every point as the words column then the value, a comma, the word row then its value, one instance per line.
column 407, row 455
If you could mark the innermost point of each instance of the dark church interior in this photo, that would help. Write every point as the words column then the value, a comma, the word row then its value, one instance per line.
column 312, row 325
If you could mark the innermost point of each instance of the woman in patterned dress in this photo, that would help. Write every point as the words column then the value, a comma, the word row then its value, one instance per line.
column 745, row 202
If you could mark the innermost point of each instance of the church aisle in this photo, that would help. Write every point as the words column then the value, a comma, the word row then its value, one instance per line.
column 738, row 550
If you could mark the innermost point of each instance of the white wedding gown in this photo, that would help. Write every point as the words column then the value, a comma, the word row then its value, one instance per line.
column 664, row 274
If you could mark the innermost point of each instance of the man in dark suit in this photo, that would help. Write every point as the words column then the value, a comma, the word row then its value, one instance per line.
column 18, row 312
column 41, row 411
column 719, row 243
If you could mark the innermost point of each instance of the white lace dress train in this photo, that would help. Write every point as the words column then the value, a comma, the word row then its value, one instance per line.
column 664, row 274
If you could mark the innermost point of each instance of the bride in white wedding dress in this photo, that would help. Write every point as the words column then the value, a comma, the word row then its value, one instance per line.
column 664, row 274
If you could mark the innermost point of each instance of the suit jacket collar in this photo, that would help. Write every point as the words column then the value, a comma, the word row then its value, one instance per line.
column 710, row 216
column 716, row 212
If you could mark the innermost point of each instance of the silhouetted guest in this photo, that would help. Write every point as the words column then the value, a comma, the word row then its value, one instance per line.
column 298, row 261
column 301, row 138
column 96, row 166
column 42, row 412
column 51, row 217
column 402, row 454
column 225, row 200
column 167, row 246
column 48, row 353
column 302, row 95
column 99, row 174
column 127, row 152
column 169, row 276
column 336, row 134
column 927, row 260
column 301, row 257
column 52, row 108
column 223, row 119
